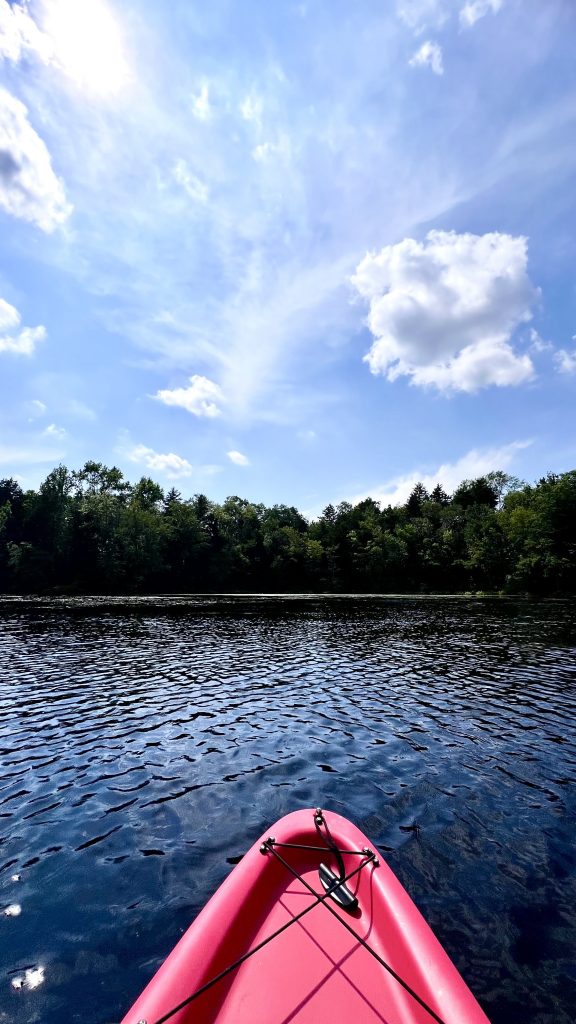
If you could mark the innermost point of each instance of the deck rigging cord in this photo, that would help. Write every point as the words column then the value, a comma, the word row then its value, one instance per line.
column 271, row 846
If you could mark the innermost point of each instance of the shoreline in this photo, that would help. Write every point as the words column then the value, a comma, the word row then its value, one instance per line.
column 210, row 598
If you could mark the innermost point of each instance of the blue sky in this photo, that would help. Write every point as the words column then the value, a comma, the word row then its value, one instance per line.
column 300, row 252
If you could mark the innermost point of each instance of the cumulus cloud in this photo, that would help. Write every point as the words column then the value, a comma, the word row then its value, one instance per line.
column 238, row 458
column 172, row 466
column 192, row 185
column 21, row 342
column 566, row 361
column 443, row 311
column 474, row 463
column 429, row 55
column 473, row 10
column 202, row 397
column 29, row 189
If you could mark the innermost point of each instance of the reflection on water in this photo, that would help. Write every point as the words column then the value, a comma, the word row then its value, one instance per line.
column 142, row 749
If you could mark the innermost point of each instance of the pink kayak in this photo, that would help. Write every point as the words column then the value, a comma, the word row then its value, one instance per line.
column 311, row 926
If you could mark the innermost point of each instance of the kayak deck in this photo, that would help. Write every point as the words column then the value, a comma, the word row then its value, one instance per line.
column 315, row 970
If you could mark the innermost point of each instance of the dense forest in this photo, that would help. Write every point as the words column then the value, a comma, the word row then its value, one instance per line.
column 93, row 532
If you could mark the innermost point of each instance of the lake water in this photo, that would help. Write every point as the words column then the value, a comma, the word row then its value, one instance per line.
column 144, row 748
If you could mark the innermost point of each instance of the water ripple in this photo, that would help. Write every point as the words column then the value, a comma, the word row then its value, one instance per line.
column 143, row 747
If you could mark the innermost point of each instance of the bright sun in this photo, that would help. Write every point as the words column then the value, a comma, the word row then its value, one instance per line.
column 86, row 43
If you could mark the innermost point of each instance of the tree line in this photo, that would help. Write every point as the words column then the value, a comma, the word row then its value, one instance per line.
column 91, row 531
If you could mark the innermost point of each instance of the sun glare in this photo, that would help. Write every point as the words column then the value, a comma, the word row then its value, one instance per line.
column 87, row 43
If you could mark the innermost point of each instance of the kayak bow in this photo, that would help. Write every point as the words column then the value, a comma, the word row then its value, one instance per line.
column 311, row 926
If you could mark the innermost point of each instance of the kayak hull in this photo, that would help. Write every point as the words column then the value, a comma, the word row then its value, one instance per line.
column 315, row 970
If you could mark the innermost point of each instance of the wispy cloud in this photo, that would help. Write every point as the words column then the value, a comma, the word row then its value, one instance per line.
column 201, row 104
column 78, row 409
column 473, row 10
column 251, row 109
column 193, row 187
column 473, row 464
column 537, row 344
column 420, row 15
column 55, row 432
column 36, row 408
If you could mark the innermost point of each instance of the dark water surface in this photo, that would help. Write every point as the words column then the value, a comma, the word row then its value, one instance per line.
column 144, row 748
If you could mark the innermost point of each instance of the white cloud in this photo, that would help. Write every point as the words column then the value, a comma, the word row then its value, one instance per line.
column 29, row 189
column 266, row 150
column 37, row 408
column 262, row 151
column 20, row 35
column 202, row 397
column 443, row 311
column 251, row 109
column 9, row 316
column 238, row 458
column 58, row 433
column 537, row 344
column 20, row 342
column 172, row 466
column 421, row 14
column 192, row 185
column 429, row 54
column 307, row 436
column 475, row 463
column 566, row 361
column 87, row 44
column 81, row 39
column 473, row 10
column 201, row 104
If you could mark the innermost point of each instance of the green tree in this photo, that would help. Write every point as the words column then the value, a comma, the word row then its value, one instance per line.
column 476, row 492
column 416, row 500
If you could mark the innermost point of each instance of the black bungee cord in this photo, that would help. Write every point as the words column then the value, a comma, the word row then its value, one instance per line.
column 270, row 846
